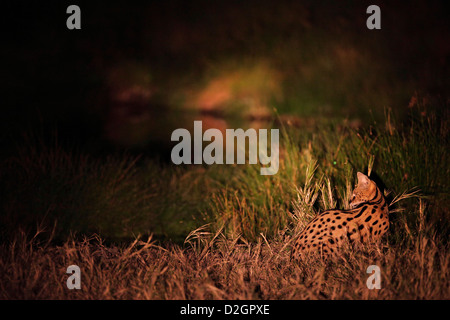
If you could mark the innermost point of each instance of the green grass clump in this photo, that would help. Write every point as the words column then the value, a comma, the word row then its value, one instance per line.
column 317, row 172
column 123, row 196
column 118, row 196
column 49, row 186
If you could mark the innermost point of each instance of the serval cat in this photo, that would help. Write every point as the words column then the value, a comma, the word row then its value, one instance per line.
column 366, row 220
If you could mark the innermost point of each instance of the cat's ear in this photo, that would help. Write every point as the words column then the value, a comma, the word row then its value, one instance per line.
column 363, row 180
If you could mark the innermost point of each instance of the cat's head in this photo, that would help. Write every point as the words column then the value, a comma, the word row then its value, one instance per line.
column 365, row 191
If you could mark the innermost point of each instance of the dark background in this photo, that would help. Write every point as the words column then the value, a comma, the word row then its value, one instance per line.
column 53, row 78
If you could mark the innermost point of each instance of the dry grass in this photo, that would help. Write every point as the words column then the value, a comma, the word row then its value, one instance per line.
column 213, row 267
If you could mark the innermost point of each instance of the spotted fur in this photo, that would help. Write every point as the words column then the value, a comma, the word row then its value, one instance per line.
column 366, row 220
